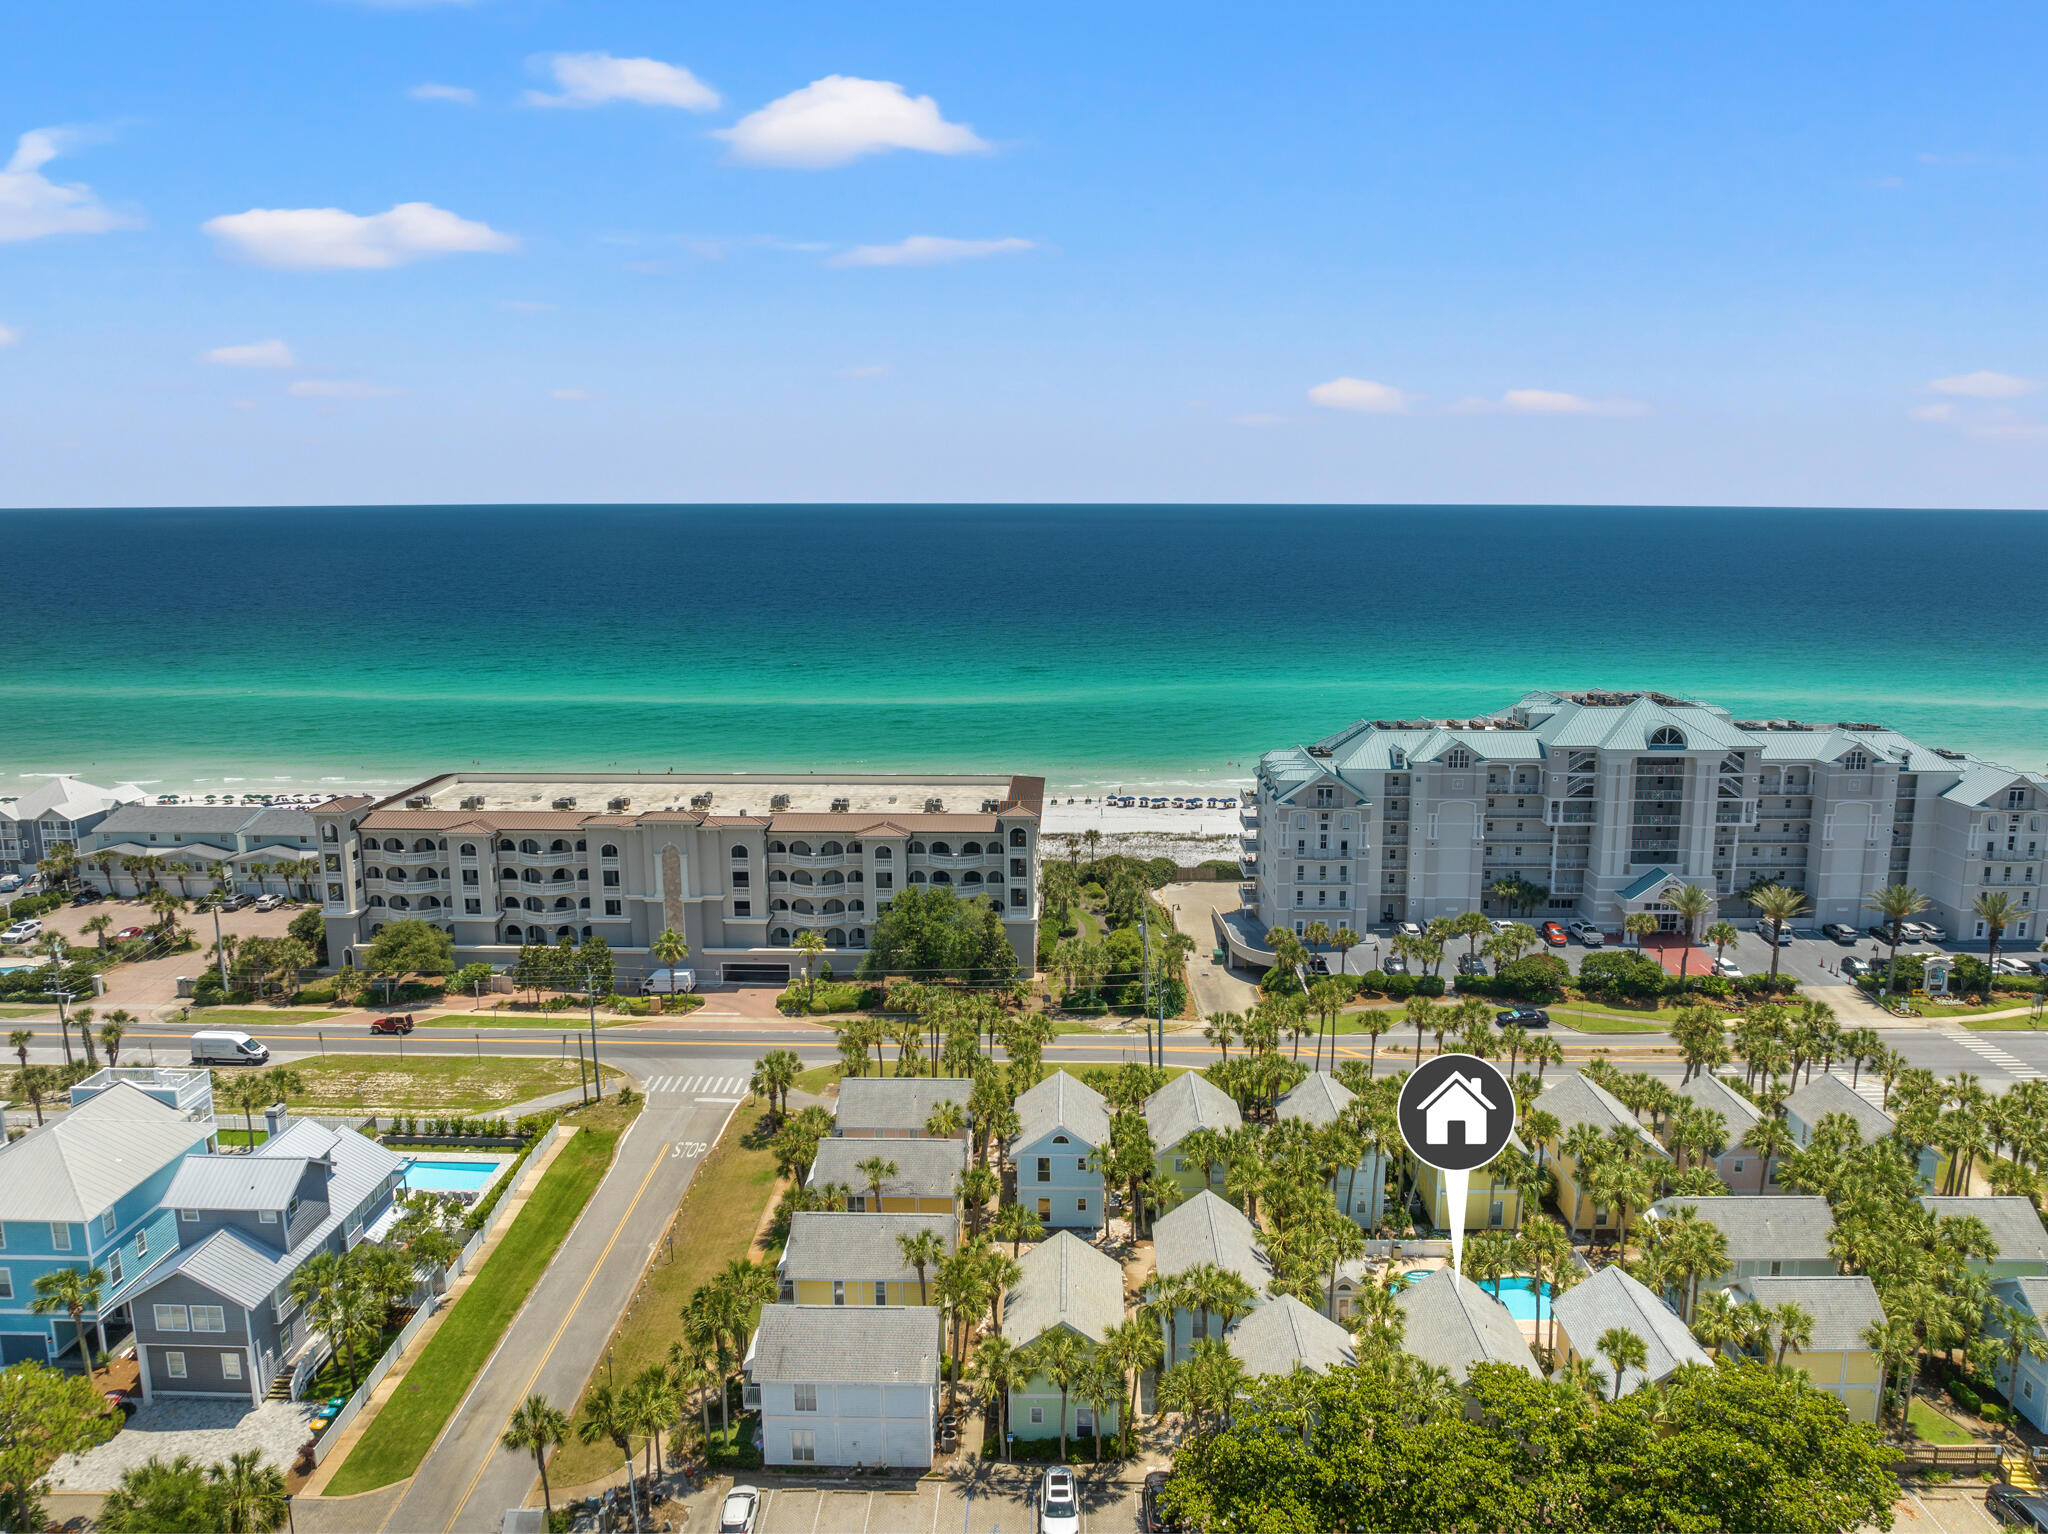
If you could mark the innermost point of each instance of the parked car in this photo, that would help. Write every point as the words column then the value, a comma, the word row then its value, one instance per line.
column 1728, row 969
column 1552, row 933
column 1932, row 933
column 1880, row 930
column 1856, row 968
column 1914, row 931
column 21, row 931
column 2015, row 1509
column 2006, row 964
column 1410, row 929
column 1151, row 1518
column 1059, row 1504
column 1841, row 932
column 1471, row 964
column 1501, row 924
column 1783, row 935
column 269, row 902
column 87, row 896
column 237, row 902
column 737, row 1515
column 396, row 1023
column 1395, row 964
column 1586, row 933
column 1523, row 1017
column 130, row 932
column 123, row 1401
column 11, row 882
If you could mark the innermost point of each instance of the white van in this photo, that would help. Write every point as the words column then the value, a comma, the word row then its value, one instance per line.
column 225, row 1046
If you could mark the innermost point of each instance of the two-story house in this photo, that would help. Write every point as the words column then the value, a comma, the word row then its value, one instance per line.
column 1827, row 1094
column 1285, row 1335
column 1062, row 1136
column 1769, row 1235
column 1742, row 1169
column 1575, row 1099
column 86, row 1191
column 1063, row 1283
column 926, row 1179
column 836, row 1388
column 2029, row 1392
column 1612, row 1298
column 220, row 1320
column 1452, row 1323
column 896, row 1107
column 857, row 1259
column 1205, row 1232
column 1185, row 1104
column 2014, row 1225
column 1835, row 1357
column 1360, row 1191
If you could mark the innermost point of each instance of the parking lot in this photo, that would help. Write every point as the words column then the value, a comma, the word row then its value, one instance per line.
column 977, row 1507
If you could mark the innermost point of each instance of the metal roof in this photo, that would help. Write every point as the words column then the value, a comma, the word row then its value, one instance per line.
column 80, row 1163
column 888, row 1102
column 1185, row 1104
column 1285, row 1335
column 1064, row 1281
column 1612, row 1298
column 1206, row 1229
column 1061, row 1102
column 238, row 1183
column 846, row 1345
column 232, row 1266
column 1454, row 1324
column 859, row 1248
column 924, row 1168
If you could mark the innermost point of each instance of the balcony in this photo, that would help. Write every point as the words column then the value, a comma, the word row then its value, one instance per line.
column 813, row 859
column 952, row 859
column 1659, row 795
column 1572, row 815
column 1777, row 838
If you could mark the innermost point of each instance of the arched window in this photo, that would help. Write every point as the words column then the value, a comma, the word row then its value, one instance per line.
column 836, row 938
column 916, row 848
column 505, row 845
column 530, row 875
column 858, row 937
column 511, row 934
column 529, row 845
column 830, row 849
column 777, row 876
column 853, row 846
column 739, row 854
column 373, row 873
column 1016, row 836
column 395, row 875
column 329, row 834
column 942, row 877
column 1457, row 759
column 834, row 907
column 995, row 876
column 883, row 854
column 855, row 876
column 583, row 904
column 533, row 903
column 804, row 908
column 535, row 935
column 608, row 850
column 376, row 900
column 424, row 844
column 586, row 934
column 772, row 847
column 511, row 874
column 942, row 849
column 917, row 876
column 511, row 902
column 430, row 903
column 468, row 849
column 970, row 849
column 970, row 877
column 856, row 905
column 567, row 932
column 558, row 845
column 564, row 904
column 779, row 937
column 799, row 849
column 832, row 876
column 801, row 877
column 561, row 876
column 582, row 845
column 379, row 927
column 1667, row 738
column 778, row 905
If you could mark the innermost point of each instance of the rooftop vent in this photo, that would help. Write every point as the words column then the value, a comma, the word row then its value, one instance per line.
column 934, row 806
column 617, row 804
column 841, row 806
column 566, row 803
column 473, row 802
column 778, row 801
column 418, row 802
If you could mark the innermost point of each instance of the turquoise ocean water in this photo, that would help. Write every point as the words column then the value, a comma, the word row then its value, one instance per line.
column 1098, row 645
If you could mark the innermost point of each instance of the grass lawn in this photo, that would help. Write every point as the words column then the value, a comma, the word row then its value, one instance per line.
column 242, row 1136
column 446, row 1084
column 440, row 1377
column 1600, row 1022
column 333, row 1380
column 253, row 1017
column 1930, row 1426
column 51, row 1009
column 567, row 1022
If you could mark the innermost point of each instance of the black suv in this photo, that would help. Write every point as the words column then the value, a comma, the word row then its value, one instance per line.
column 2016, row 1509
column 1523, row 1017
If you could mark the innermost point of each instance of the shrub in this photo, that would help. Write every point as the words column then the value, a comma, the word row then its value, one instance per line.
column 1620, row 975
column 1375, row 981
column 321, row 995
column 1965, row 1397
column 1429, row 985
column 1765, row 985
column 1534, row 977
column 1400, row 987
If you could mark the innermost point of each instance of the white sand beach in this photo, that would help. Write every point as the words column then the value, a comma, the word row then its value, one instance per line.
column 1186, row 836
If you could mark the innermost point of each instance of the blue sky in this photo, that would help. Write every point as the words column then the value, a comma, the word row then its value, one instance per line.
column 637, row 251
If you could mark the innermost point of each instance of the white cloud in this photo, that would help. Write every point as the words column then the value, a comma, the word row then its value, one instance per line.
column 838, row 119
column 1359, row 394
column 570, row 394
column 525, row 306
column 8, row 336
column 1934, row 413
column 258, row 354
column 462, row 95
column 928, row 250
column 32, row 206
column 329, row 239
column 1985, row 385
column 592, row 79
column 1556, row 402
column 339, row 388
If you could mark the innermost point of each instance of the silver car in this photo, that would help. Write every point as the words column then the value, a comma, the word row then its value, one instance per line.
column 740, row 1510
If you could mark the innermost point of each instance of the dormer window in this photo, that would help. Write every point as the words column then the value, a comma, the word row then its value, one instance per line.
column 1458, row 759
column 1856, row 761
column 1667, row 738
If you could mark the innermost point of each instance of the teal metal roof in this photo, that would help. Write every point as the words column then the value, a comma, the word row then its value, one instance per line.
column 1648, row 882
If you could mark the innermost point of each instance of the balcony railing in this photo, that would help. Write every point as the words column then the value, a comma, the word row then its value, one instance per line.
column 813, row 859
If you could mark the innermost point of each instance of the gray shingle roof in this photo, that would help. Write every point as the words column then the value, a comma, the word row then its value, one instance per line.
column 1841, row 1308
column 1454, row 1324
column 1285, row 1335
column 1185, row 1104
column 1611, row 1298
column 858, row 1247
column 2030, row 1292
column 1207, row 1229
column 1318, row 1099
column 846, row 1345
column 75, row 1166
column 245, row 1183
column 1064, row 1281
column 1707, row 1091
column 924, row 1168
column 1829, row 1093
column 1763, row 1227
column 1061, row 1102
column 887, row 1102
column 218, row 820
column 2014, row 1224
column 1576, row 1100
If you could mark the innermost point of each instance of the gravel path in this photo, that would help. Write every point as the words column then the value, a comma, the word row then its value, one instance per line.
column 206, row 1430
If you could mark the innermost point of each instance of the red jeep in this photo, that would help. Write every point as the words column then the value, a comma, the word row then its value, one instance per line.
column 396, row 1023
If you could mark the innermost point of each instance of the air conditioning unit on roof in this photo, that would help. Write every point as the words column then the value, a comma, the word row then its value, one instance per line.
column 565, row 804
column 701, row 801
column 473, row 802
column 934, row 806
column 778, row 801
column 841, row 806
column 618, row 804
column 418, row 802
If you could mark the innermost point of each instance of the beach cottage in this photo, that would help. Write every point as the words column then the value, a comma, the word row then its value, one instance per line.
column 1836, row 1359
column 1609, row 1299
column 1205, row 1232
column 1360, row 1191
column 1064, row 1285
column 858, row 1259
column 1185, row 1104
column 1062, row 1133
column 926, row 1179
column 843, row 1387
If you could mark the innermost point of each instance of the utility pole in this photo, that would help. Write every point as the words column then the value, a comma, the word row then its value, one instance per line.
column 219, row 957
column 590, row 995
column 62, row 991
column 1145, row 939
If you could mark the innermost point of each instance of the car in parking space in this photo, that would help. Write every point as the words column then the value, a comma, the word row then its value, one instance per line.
column 1728, row 969
column 1783, row 934
column 1879, row 930
column 1410, row 929
column 1552, row 933
column 269, row 902
column 1394, row 964
column 2006, row 964
column 1841, row 932
column 1523, row 1017
column 1856, row 968
column 1471, row 964
column 11, row 882
column 1059, row 1503
column 1501, row 924
column 740, row 1510
column 1587, row 933
column 237, row 902
column 2015, row 1509
column 1152, row 1519
column 1930, row 932
column 87, row 896
column 21, row 931
column 127, row 933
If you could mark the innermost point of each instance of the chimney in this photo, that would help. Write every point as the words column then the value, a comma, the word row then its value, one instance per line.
column 276, row 1119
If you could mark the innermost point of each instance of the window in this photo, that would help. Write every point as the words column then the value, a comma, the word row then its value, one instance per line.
column 171, row 1318
column 803, row 1446
column 739, row 879
column 2027, row 1389
column 1080, row 1206
column 881, row 1292
column 838, row 1291
column 1037, row 1415
column 1457, row 759
column 142, row 1243
column 611, row 878
column 267, row 1216
column 231, row 1366
column 1080, row 1163
column 209, row 1318
column 618, row 907
column 107, row 1223
column 189, row 1216
column 6, row 1284
column 174, row 1365
column 806, row 1398
column 472, row 908
column 1045, row 1209
column 60, row 1237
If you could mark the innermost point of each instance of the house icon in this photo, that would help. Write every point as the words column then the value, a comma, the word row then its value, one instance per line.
column 1459, row 1100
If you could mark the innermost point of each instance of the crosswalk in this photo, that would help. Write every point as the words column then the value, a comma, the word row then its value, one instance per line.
column 1990, row 1053
column 703, row 1088
column 1870, row 1087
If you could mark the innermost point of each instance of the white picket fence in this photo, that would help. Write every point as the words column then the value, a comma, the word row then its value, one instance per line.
column 331, row 1435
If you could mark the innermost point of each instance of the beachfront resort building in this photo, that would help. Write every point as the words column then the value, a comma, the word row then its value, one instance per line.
column 1604, row 802
column 191, row 848
column 62, row 809
column 738, row 864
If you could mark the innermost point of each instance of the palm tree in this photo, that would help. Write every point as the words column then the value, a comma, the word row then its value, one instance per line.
column 248, row 1494
column 1061, row 1357
column 605, row 1417
column 1794, row 1326
column 1897, row 904
column 996, row 1369
column 1639, row 925
column 1776, row 906
column 536, row 1428
column 1132, row 1346
column 1016, row 1225
column 36, row 1082
column 809, row 944
column 98, row 928
column 650, row 1405
column 1996, row 910
column 19, row 1041
column 1690, row 902
column 112, row 1031
column 877, row 1170
column 73, row 1291
column 1722, row 935
column 922, row 1249
column 1623, row 1350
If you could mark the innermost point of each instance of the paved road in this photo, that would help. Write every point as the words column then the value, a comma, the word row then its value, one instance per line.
column 468, row 1481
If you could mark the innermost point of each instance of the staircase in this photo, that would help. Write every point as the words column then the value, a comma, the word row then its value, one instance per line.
column 280, row 1386
column 2020, row 1473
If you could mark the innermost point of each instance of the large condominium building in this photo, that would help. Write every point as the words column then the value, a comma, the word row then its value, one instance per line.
column 64, row 809
column 738, row 864
column 1607, row 801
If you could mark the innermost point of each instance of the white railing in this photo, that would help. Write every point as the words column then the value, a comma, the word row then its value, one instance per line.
column 311, row 1362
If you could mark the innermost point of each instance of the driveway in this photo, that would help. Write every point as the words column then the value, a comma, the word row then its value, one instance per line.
column 1216, row 988
column 1002, row 1503
column 206, row 1430
column 149, row 983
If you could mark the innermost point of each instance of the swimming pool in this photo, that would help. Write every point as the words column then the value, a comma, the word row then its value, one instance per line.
column 1525, row 1298
column 467, row 1176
